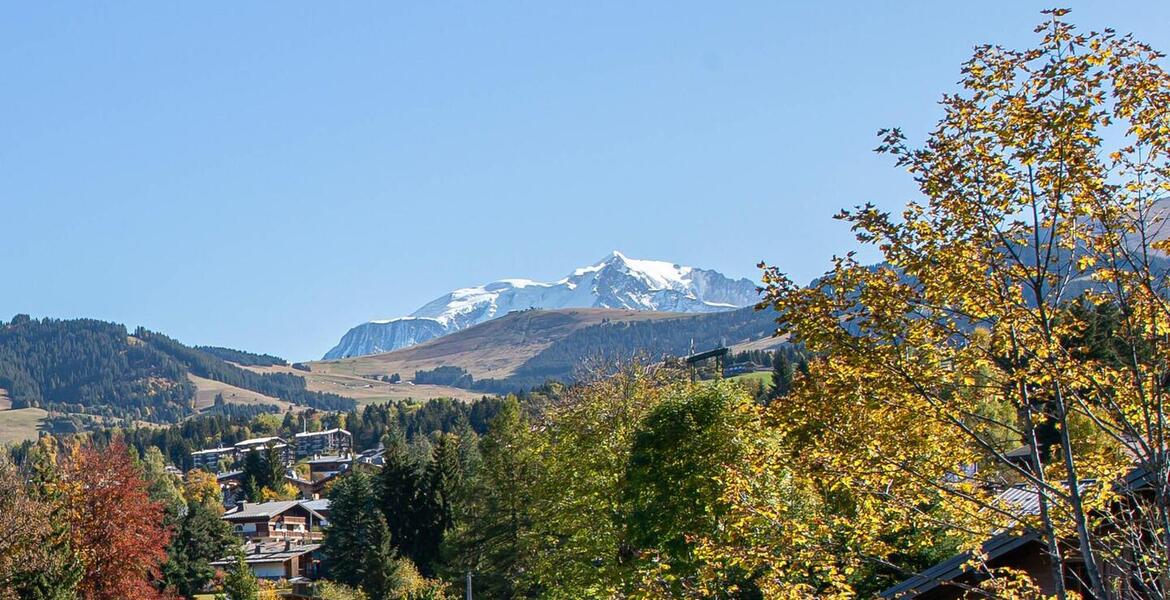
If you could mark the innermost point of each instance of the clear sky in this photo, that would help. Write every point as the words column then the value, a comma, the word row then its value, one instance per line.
column 265, row 176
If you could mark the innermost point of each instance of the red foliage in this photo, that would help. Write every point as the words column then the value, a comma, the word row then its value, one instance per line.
column 117, row 530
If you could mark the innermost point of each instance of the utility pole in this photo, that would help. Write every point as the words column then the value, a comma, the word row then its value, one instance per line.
column 468, row 586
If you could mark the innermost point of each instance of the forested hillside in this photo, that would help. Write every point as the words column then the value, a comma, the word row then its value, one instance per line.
column 90, row 366
column 93, row 367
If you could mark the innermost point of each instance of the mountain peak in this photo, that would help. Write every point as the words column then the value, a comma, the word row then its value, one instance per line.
column 617, row 281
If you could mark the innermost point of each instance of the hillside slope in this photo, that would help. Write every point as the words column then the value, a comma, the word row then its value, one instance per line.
column 527, row 348
column 493, row 349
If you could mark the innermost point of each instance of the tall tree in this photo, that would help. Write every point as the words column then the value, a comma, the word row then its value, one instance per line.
column 59, row 576
column 240, row 582
column 782, row 372
column 436, row 505
column 494, row 535
column 116, row 529
column 671, row 491
column 200, row 537
column 401, row 484
column 355, row 525
column 1043, row 187
column 24, row 531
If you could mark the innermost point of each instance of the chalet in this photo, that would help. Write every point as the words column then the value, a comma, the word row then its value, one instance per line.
column 281, row 520
column 321, row 507
column 278, row 559
column 1024, row 550
column 330, row 441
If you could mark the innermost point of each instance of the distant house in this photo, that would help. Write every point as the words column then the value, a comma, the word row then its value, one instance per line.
column 275, row 521
column 329, row 442
column 323, row 467
column 374, row 456
column 278, row 559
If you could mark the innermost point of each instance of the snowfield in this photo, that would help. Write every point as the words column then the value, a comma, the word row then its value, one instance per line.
column 614, row 282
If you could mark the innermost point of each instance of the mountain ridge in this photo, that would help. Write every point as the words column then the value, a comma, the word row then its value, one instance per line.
column 616, row 281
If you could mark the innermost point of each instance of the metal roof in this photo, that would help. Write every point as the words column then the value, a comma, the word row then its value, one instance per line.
column 265, row 552
column 258, row 510
column 327, row 431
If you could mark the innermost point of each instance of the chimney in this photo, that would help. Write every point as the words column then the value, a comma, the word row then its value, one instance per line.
column 240, row 504
column 287, row 545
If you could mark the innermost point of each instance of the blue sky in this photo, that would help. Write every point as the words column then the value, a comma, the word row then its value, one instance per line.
column 265, row 176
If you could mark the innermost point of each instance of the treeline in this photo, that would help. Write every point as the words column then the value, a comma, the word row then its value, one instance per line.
column 440, row 415
column 244, row 358
column 285, row 386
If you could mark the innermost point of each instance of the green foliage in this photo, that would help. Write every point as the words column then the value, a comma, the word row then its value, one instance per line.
column 328, row 590
column 402, row 495
column 199, row 538
column 240, row 582
column 493, row 533
column 356, row 526
column 671, row 490
column 59, row 577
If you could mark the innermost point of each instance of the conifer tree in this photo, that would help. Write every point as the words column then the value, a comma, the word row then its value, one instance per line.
column 355, row 525
column 496, row 518
column 401, row 483
column 782, row 372
column 200, row 537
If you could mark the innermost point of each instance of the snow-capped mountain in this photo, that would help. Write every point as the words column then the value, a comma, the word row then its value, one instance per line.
column 614, row 282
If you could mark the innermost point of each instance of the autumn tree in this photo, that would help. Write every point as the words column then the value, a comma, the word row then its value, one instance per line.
column 24, row 531
column 115, row 528
column 1043, row 191
column 57, row 577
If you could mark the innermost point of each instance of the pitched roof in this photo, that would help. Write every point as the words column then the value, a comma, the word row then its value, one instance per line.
column 260, row 510
column 1020, row 500
column 264, row 552
column 321, row 505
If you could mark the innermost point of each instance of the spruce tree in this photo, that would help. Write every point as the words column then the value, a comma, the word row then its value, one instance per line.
column 355, row 525
column 781, row 375
column 437, row 504
column 200, row 538
column 401, row 485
